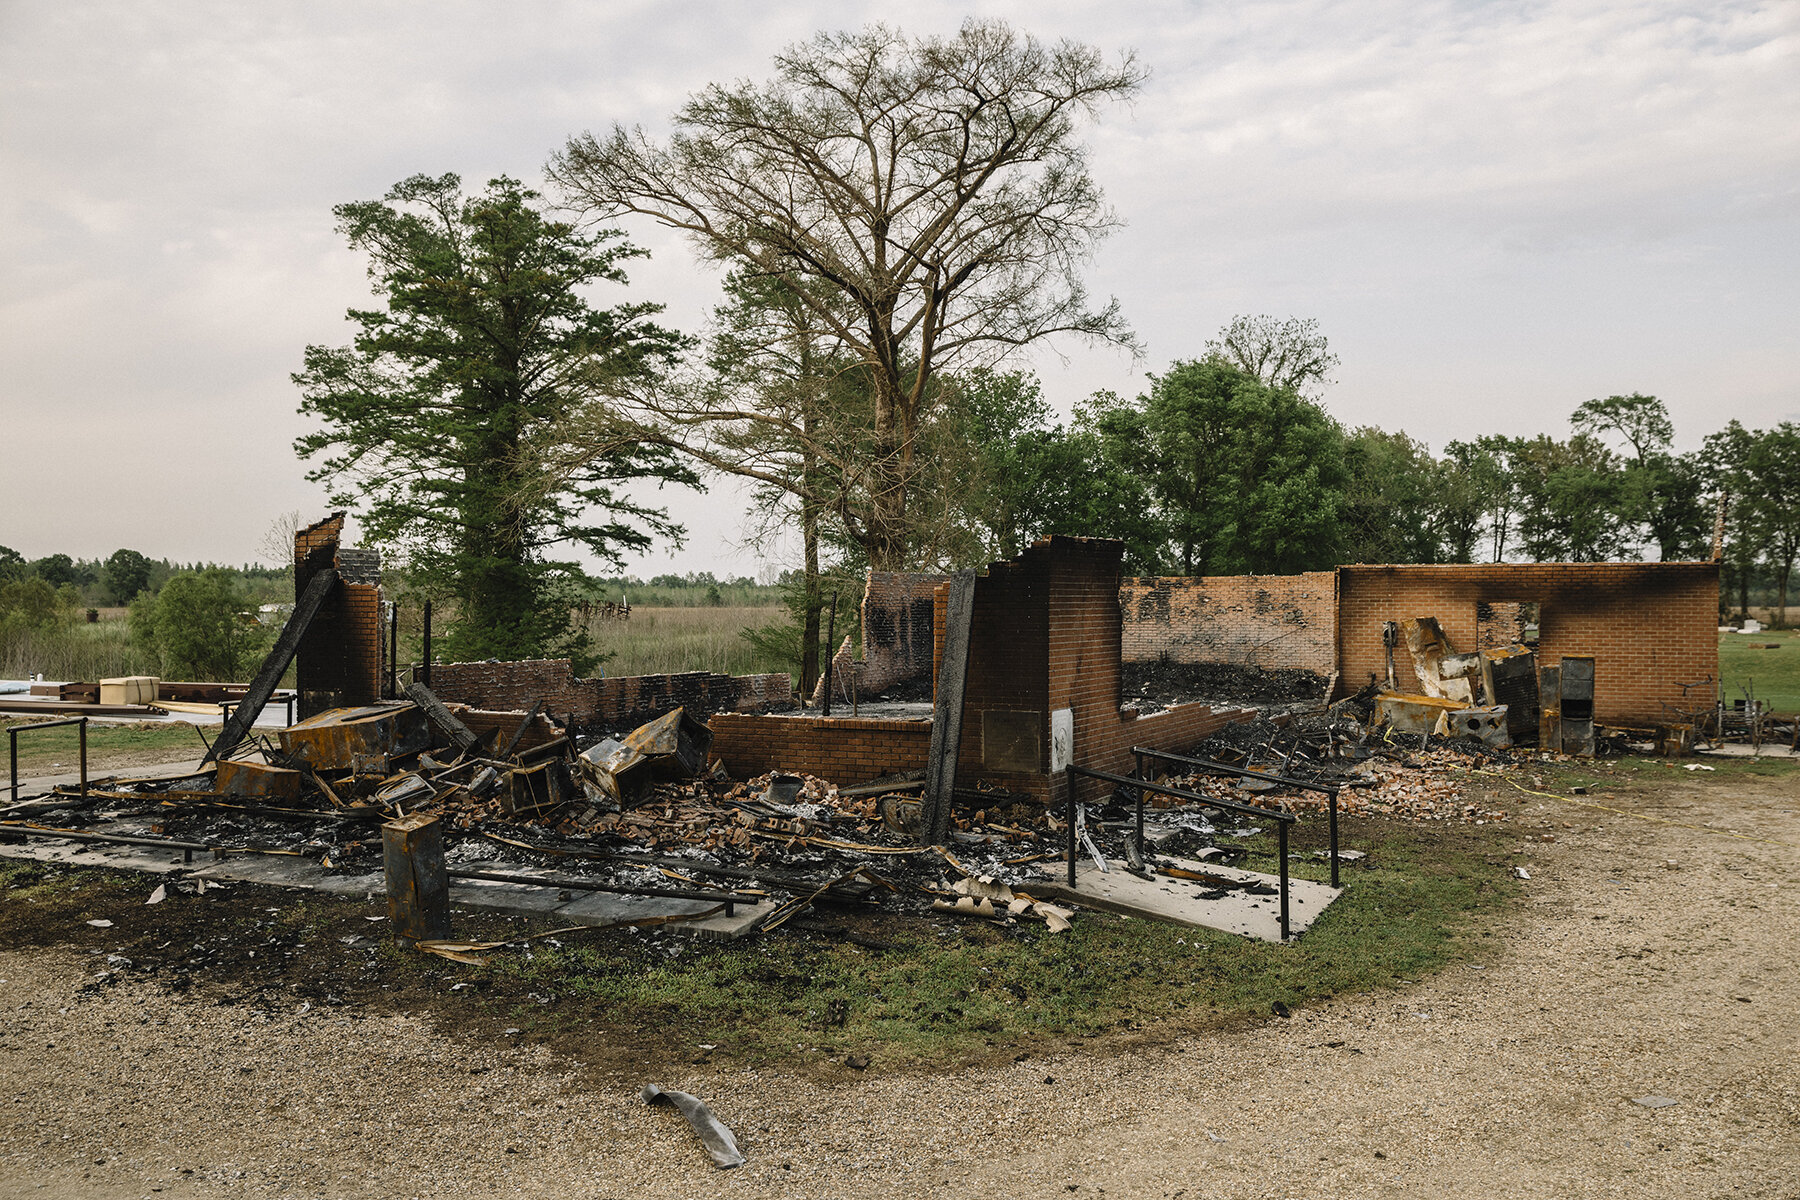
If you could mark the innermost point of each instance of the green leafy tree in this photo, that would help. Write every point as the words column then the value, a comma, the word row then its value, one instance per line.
column 1246, row 478
column 200, row 626
column 1771, row 473
column 30, row 602
column 1289, row 353
column 1725, row 458
column 125, row 574
column 442, row 419
column 929, row 198
column 12, row 565
column 56, row 570
column 1663, row 491
column 1574, row 500
column 1393, row 507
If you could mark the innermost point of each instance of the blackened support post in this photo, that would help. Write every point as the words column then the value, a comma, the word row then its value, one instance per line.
column 1334, row 844
column 418, row 884
column 830, row 652
column 424, row 675
column 1281, row 852
column 393, row 688
column 947, row 713
column 244, row 715
column 1069, row 821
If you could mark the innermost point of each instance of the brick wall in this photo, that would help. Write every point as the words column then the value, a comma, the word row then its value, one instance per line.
column 623, row 701
column 1046, row 636
column 1268, row 621
column 897, row 625
column 845, row 750
column 1649, row 626
column 338, row 663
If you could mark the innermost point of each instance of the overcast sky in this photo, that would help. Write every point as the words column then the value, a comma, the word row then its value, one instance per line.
column 1495, row 211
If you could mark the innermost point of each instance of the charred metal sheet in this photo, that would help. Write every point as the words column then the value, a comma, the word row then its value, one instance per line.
column 240, row 778
column 1412, row 714
column 1509, row 676
column 1487, row 724
column 405, row 792
column 344, row 739
column 675, row 744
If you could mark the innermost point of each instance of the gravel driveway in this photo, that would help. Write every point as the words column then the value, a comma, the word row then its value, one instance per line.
column 1649, row 959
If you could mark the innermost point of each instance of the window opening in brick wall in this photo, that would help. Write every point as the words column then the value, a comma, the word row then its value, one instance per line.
column 1500, row 623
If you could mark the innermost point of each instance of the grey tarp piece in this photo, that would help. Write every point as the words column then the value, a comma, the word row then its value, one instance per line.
column 1656, row 1101
column 717, row 1139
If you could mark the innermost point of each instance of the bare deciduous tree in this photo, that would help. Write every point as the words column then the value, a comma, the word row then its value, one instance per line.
column 1290, row 354
column 930, row 198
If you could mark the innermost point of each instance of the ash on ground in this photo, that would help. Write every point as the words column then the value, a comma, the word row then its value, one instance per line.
column 1153, row 686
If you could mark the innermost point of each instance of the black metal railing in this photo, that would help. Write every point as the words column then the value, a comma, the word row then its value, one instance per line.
column 13, row 745
column 1329, row 790
column 1282, row 820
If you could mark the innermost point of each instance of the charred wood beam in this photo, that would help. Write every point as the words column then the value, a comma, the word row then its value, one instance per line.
column 274, row 666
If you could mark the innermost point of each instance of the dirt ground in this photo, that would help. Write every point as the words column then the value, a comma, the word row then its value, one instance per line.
column 1649, row 959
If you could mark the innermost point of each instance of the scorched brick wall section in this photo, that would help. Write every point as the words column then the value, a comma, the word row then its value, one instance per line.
column 1046, row 636
column 625, row 700
column 897, row 636
column 844, row 750
column 338, row 663
column 1650, row 626
column 1268, row 621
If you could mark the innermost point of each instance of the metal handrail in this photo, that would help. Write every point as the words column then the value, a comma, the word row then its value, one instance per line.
column 1282, row 821
column 1327, row 789
column 13, row 744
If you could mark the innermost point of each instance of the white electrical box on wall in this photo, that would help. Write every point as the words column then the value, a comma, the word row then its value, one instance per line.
column 1062, row 739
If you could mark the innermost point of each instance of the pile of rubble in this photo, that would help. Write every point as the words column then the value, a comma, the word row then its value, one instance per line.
column 654, row 814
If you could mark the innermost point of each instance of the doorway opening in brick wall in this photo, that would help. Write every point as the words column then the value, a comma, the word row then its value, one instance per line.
column 1500, row 623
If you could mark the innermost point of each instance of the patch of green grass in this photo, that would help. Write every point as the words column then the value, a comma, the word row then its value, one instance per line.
column 1773, row 676
column 954, row 990
column 659, row 641
column 43, row 750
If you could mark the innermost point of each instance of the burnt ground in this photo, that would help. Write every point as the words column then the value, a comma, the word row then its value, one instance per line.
column 1156, row 685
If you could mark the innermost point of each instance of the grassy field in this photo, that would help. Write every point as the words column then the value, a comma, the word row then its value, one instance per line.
column 54, row 751
column 75, row 650
column 657, row 641
column 1771, row 675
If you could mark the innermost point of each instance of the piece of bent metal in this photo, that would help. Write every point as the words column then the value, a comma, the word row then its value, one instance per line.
column 717, row 1139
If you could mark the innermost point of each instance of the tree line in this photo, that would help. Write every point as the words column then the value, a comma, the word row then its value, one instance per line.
column 896, row 218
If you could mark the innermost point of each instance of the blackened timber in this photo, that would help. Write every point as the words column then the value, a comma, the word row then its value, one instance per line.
column 274, row 666
column 519, row 733
column 947, row 712
column 418, row 889
column 460, row 735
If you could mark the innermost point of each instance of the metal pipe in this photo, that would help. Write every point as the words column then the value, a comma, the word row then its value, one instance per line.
column 830, row 652
column 1164, row 789
column 1334, row 841
column 1228, row 769
column 573, row 883
column 13, row 733
column 1282, row 852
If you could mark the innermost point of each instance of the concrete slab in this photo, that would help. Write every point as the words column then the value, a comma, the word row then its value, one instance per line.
column 1179, row 900
column 280, row 870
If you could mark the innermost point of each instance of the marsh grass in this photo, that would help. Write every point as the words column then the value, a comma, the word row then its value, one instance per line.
column 658, row 641
column 73, row 650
